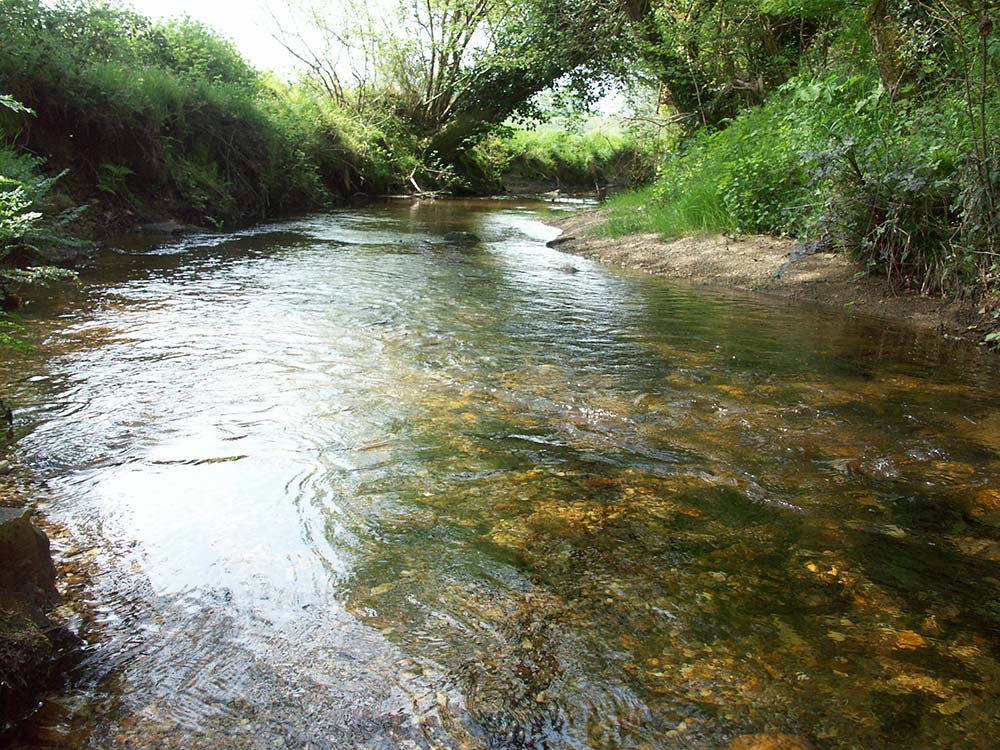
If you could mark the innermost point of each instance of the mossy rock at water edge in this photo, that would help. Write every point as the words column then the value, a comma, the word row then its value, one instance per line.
column 25, row 661
column 28, row 640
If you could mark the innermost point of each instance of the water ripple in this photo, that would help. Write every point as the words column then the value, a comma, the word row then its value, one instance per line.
column 343, row 484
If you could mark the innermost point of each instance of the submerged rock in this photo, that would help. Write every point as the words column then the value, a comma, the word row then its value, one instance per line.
column 462, row 238
column 28, row 641
column 169, row 227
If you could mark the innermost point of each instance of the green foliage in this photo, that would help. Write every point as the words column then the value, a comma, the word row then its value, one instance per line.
column 801, row 8
column 13, row 105
column 447, row 72
column 752, row 176
column 888, row 192
column 868, row 126
column 884, row 147
column 561, row 157
column 693, row 208
column 16, row 217
column 168, row 115
column 716, row 59
column 22, row 191
column 194, row 51
column 26, row 216
column 112, row 179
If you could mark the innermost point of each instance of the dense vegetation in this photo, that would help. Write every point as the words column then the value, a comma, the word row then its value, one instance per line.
column 869, row 127
column 137, row 109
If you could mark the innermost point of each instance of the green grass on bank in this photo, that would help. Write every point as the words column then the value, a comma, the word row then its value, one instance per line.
column 694, row 208
column 166, row 117
column 834, row 161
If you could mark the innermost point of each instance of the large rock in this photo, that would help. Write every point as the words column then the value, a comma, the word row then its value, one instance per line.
column 27, row 573
column 28, row 641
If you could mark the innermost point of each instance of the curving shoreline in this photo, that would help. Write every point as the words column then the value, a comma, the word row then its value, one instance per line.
column 766, row 265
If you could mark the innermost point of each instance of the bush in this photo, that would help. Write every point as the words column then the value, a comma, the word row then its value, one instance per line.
column 570, row 158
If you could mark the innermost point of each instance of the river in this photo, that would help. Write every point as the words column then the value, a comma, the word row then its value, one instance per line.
column 337, row 482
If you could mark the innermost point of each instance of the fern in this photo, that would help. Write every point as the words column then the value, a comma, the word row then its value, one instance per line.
column 21, row 225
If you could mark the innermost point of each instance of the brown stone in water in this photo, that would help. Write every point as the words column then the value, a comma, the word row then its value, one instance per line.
column 986, row 507
column 988, row 501
column 768, row 741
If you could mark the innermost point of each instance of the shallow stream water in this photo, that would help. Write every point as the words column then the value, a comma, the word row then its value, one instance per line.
column 339, row 483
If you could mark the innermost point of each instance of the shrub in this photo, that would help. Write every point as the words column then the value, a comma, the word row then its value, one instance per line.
column 570, row 158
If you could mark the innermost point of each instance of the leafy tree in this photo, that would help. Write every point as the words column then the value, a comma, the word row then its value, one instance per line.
column 539, row 44
column 454, row 69
column 716, row 57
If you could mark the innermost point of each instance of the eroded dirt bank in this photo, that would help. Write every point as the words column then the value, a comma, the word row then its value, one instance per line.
column 768, row 265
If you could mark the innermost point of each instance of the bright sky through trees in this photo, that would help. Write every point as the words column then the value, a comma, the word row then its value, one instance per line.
column 247, row 23
column 252, row 24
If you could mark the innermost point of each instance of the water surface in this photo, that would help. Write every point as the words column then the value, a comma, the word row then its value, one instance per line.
column 339, row 483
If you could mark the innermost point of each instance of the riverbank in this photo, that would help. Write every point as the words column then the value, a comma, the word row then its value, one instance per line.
column 769, row 265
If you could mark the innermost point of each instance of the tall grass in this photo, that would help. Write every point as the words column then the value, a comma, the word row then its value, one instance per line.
column 695, row 209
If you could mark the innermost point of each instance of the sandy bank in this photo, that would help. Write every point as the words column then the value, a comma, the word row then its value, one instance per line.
column 767, row 265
